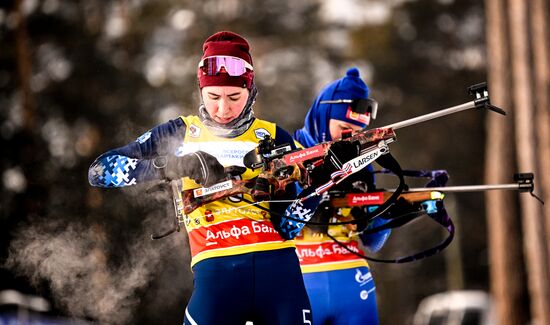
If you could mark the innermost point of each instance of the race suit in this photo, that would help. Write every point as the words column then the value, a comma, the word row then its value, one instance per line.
column 339, row 284
column 243, row 269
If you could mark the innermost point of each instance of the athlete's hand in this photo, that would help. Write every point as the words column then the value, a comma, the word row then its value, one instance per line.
column 200, row 166
column 339, row 153
column 234, row 171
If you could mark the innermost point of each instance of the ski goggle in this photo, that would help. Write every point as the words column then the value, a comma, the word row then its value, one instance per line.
column 359, row 106
column 233, row 66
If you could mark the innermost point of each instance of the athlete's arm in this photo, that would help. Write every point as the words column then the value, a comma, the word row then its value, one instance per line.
column 135, row 162
column 289, row 228
column 283, row 137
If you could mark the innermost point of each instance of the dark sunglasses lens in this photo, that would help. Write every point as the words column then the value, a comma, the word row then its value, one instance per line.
column 364, row 106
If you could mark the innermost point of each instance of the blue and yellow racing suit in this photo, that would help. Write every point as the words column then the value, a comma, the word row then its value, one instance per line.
column 339, row 284
column 243, row 269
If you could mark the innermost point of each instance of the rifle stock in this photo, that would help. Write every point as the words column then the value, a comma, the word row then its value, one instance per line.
column 194, row 198
column 377, row 198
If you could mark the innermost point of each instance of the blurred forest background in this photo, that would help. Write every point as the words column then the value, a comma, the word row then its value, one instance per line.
column 80, row 77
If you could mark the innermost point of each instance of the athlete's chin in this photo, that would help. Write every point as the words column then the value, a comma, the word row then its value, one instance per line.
column 223, row 120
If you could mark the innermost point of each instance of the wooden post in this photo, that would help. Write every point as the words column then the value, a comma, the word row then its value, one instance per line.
column 507, row 285
column 533, row 233
column 539, row 28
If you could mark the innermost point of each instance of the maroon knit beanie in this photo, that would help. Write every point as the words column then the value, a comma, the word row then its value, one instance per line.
column 231, row 44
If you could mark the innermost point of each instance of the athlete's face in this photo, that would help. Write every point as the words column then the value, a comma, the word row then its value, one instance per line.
column 224, row 103
column 336, row 127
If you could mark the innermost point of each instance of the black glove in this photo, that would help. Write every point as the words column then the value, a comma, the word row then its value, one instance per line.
column 339, row 153
column 323, row 213
column 199, row 166
column 234, row 171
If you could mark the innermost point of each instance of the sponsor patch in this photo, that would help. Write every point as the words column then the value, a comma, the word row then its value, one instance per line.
column 144, row 137
column 305, row 154
column 261, row 133
column 361, row 277
column 212, row 189
column 358, row 163
column 358, row 199
column 194, row 131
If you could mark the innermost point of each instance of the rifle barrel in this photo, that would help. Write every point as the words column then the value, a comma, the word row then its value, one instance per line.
column 431, row 116
column 471, row 188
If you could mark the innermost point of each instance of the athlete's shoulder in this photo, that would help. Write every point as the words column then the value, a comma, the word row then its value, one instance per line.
column 298, row 144
column 189, row 119
column 175, row 127
column 283, row 137
column 263, row 123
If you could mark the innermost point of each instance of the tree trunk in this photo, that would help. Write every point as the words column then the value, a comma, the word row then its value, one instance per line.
column 507, row 286
column 533, row 234
column 24, row 68
column 539, row 29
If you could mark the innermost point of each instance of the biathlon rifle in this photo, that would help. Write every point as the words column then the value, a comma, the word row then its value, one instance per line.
column 282, row 165
column 411, row 204
column 523, row 182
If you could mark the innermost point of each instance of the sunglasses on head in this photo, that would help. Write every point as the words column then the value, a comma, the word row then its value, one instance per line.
column 233, row 66
column 360, row 106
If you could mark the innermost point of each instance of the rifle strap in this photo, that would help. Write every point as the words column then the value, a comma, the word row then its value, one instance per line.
column 440, row 216
column 388, row 162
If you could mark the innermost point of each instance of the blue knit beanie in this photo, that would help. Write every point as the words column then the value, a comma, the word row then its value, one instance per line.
column 315, row 128
column 349, row 87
